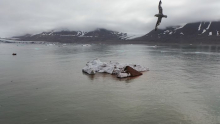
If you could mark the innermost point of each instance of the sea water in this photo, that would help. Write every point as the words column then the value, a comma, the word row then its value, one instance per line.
column 44, row 84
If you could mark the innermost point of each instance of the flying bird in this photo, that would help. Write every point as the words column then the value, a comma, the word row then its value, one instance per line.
column 160, row 15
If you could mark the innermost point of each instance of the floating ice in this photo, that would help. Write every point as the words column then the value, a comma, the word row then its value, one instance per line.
column 96, row 65
column 123, row 75
column 217, row 33
column 182, row 33
column 210, row 33
column 86, row 45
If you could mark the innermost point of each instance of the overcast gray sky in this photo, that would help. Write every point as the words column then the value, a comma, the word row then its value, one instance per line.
column 19, row 17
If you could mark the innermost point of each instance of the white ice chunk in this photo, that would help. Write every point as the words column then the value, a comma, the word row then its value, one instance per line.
column 217, row 33
column 209, row 26
column 182, row 33
column 137, row 67
column 123, row 75
column 78, row 33
column 210, row 33
column 200, row 27
column 86, row 45
column 96, row 65
column 171, row 33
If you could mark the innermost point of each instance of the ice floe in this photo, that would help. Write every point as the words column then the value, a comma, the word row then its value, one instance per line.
column 217, row 33
column 210, row 33
column 86, row 45
column 94, row 66
column 182, row 33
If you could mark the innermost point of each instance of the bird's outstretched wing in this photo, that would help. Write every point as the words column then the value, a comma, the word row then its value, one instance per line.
column 158, row 22
column 160, row 8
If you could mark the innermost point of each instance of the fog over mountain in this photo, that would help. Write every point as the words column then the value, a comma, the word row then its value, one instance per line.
column 136, row 17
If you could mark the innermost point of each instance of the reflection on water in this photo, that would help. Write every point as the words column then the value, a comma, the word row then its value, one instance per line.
column 45, row 84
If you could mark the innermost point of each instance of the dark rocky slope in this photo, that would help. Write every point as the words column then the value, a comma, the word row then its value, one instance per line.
column 200, row 32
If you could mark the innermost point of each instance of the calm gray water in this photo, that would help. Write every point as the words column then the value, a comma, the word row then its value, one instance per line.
column 45, row 85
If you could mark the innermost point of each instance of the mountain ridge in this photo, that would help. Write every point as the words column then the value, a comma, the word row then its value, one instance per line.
column 99, row 34
column 197, row 32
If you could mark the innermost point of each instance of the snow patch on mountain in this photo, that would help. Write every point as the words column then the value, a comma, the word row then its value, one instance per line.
column 167, row 31
column 209, row 26
column 51, row 33
column 82, row 34
column 78, row 33
column 132, row 37
column 180, row 27
column 67, row 35
column 203, row 31
column 199, row 28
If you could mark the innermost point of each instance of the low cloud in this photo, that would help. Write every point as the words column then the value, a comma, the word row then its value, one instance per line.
column 34, row 16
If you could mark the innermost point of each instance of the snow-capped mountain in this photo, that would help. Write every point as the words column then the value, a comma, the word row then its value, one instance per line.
column 76, row 36
column 199, row 32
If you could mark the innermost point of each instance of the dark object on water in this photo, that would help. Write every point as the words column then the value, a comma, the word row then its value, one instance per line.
column 132, row 71
column 160, row 15
column 14, row 54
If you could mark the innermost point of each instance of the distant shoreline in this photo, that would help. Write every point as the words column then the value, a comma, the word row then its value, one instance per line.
column 120, row 42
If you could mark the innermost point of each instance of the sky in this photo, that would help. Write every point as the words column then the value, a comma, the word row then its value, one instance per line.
column 19, row 17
